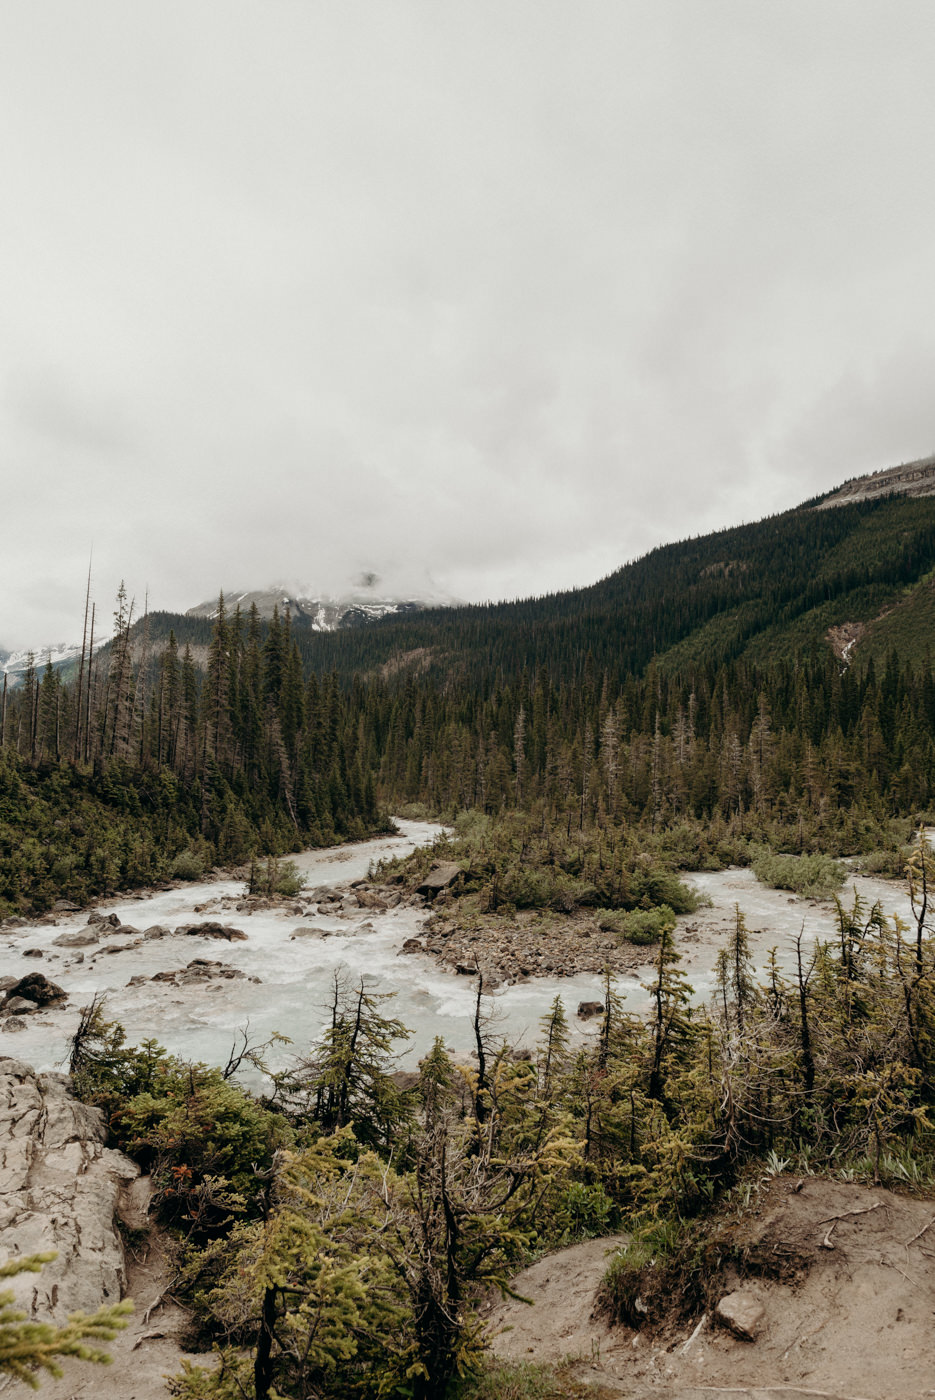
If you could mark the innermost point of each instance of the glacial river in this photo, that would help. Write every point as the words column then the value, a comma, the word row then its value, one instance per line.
column 289, row 961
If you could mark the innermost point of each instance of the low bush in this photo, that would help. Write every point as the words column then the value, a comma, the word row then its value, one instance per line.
column 815, row 876
column 188, row 865
column 643, row 926
column 889, row 863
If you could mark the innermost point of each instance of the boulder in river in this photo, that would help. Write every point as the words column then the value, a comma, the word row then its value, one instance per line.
column 214, row 930
column 81, row 938
column 367, row 899
column 586, row 1009
column 19, row 1006
column 198, row 970
column 37, row 988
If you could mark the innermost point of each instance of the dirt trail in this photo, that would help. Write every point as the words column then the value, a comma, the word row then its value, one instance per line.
column 856, row 1323
column 143, row 1356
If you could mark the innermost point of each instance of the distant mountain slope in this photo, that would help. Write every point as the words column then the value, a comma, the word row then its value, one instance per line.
column 766, row 591
column 856, row 580
column 63, row 656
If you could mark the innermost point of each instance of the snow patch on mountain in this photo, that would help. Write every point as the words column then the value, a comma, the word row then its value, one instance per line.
column 365, row 599
column 13, row 664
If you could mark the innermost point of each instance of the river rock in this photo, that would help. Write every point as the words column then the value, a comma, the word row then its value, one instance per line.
column 367, row 899
column 59, row 1188
column 81, row 938
column 119, row 930
column 19, row 1006
column 157, row 931
column 37, row 988
column 741, row 1313
column 198, row 970
column 587, row 1009
column 65, row 906
column 412, row 945
column 33, row 953
column 214, row 930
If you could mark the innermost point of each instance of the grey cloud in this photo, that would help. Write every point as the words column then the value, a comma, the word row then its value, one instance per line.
column 497, row 296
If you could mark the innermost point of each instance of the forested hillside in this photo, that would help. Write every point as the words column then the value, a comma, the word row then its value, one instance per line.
column 695, row 684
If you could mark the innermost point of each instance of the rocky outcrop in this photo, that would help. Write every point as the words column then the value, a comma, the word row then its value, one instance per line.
column 59, row 1190
column 198, row 970
column 516, row 946
column 910, row 479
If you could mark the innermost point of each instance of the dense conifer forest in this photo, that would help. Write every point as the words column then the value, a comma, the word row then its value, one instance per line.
column 696, row 685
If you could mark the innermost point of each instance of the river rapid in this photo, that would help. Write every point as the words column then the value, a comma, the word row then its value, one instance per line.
column 289, row 960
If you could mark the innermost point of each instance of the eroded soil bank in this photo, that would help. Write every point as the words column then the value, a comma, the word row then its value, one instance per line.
column 842, row 1278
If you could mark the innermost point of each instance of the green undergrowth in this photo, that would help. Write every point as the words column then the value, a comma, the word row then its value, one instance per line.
column 813, row 876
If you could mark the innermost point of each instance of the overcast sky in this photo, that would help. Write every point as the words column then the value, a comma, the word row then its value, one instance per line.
column 485, row 296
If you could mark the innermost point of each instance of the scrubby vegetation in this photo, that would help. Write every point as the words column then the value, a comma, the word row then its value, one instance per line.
column 815, row 876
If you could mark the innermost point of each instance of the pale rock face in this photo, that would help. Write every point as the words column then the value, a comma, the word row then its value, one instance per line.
column 59, row 1190
column 741, row 1313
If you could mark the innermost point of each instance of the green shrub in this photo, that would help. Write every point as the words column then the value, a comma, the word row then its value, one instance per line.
column 652, row 886
column 642, row 926
column 890, row 864
column 585, row 1211
column 188, row 865
column 816, row 876
column 526, row 887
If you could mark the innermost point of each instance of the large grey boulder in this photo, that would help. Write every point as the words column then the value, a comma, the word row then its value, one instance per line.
column 59, row 1189
column 441, row 877
column 81, row 938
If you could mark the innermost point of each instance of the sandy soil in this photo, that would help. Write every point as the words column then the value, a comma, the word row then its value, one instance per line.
column 855, row 1324
column 143, row 1356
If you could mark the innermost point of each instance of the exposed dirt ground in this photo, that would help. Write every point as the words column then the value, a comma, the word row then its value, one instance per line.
column 856, row 1323
column 143, row 1356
